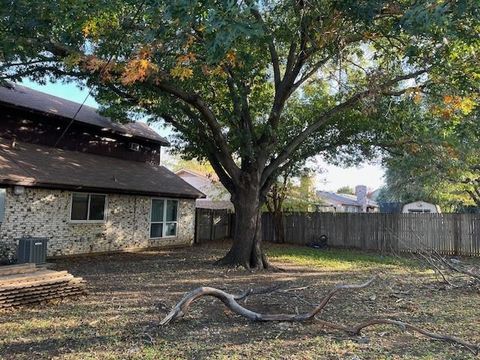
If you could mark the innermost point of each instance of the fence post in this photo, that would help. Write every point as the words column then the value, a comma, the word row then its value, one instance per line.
column 195, row 234
column 457, row 234
column 211, row 224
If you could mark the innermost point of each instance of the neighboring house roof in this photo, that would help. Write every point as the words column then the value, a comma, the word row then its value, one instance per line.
column 343, row 199
column 217, row 195
column 210, row 177
column 213, row 189
column 35, row 165
column 214, row 204
column 33, row 100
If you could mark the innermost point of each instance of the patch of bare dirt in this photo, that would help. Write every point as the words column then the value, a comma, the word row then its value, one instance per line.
column 131, row 293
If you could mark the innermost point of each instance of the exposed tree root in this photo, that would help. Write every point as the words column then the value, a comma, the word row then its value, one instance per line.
column 231, row 302
column 260, row 263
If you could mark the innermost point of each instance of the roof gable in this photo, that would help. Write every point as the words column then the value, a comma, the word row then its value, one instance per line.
column 33, row 100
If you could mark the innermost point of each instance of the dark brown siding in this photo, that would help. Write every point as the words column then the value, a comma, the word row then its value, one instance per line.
column 45, row 130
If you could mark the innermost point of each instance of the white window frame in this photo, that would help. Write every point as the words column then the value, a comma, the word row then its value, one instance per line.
column 105, row 209
column 164, row 222
column 419, row 211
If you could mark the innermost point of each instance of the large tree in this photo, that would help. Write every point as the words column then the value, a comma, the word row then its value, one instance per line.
column 441, row 161
column 250, row 85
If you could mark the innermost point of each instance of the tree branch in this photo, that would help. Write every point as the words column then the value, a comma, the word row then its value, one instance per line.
column 326, row 116
column 239, row 94
column 271, row 44
column 212, row 154
column 231, row 302
column 314, row 68
column 210, row 118
column 192, row 99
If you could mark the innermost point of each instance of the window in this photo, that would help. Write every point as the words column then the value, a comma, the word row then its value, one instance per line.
column 88, row 207
column 163, row 218
column 2, row 204
column 419, row 211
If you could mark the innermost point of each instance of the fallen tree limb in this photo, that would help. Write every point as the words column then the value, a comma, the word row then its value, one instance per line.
column 457, row 269
column 231, row 302
column 406, row 326
column 439, row 263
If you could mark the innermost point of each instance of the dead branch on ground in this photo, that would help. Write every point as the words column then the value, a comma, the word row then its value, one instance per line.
column 231, row 302
column 448, row 269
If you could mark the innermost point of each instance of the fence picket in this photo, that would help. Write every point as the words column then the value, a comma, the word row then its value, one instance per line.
column 446, row 233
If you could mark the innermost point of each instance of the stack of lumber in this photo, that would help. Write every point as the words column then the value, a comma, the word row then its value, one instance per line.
column 25, row 284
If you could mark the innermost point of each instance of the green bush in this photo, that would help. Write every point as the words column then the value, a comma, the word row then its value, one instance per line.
column 7, row 254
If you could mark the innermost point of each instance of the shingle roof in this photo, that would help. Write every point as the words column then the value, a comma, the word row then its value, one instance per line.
column 214, row 204
column 209, row 176
column 34, row 165
column 344, row 199
column 29, row 99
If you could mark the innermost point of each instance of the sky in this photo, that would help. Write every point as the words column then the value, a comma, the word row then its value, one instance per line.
column 331, row 178
column 335, row 177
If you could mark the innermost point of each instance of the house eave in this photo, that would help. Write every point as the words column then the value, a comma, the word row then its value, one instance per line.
column 107, row 190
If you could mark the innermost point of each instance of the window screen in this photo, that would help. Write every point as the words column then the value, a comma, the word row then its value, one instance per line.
column 163, row 219
column 88, row 207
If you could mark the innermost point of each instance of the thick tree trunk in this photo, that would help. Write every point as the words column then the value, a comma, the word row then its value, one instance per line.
column 246, row 249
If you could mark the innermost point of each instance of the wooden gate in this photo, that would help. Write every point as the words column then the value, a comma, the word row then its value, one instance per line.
column 212, row 225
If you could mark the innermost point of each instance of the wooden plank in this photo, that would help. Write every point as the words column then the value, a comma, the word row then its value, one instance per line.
column 446, row 233
column 41, row 292
column 26, row 275
column 43, row 298
column 31, row 277
column 25, row 284
column 52, row 288
column 476, row 233
column 35, row 283
column 19, row 290
column 17, row 269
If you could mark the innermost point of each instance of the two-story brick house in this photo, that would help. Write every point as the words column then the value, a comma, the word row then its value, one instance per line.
column 89, row 184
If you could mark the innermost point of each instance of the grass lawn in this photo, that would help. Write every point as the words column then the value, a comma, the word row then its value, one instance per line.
column 131, row 293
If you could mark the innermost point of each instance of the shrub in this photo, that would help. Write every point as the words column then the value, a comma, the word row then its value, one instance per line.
column 7, row 254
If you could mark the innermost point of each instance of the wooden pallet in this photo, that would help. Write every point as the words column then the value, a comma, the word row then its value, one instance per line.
column 25, row 284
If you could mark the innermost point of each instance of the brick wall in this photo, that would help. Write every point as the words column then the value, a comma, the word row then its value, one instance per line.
column 46, row 213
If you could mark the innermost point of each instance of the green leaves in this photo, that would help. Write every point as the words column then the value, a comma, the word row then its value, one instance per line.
column 207, row 67
column 438, row 161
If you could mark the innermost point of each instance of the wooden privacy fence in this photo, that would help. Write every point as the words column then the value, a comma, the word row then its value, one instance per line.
column 212, row 224
column 452, row 234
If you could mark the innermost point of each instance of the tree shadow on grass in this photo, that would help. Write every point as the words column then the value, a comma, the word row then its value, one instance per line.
column 131, row 293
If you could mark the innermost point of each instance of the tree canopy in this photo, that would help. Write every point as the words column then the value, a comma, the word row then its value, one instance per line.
column 346, row 190
column 440, row 163
column 250, row 85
